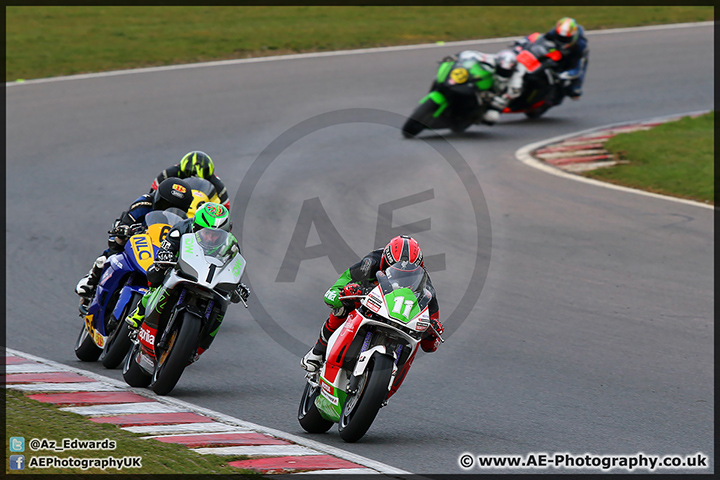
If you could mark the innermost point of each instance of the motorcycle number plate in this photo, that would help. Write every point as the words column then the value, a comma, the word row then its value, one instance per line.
column 460, row 75
column 158, row 232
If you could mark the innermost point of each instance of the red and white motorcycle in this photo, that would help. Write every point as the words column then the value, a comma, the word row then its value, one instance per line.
column 364, row 357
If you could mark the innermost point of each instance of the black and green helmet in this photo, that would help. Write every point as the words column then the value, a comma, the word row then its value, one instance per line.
column 212, row 215
column 197, row 164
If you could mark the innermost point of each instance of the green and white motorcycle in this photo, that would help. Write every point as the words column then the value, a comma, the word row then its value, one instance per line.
column 186, row 311
column 364, row 357
column 458, row 96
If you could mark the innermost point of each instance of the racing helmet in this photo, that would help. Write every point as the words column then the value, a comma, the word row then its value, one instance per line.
column 197, row 164
column 505, row 63
column 566, row 32
column 212, row 215
column 173, row 192
column 399, row 249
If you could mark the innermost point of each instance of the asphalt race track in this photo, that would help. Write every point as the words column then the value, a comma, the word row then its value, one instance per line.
column 593, row 330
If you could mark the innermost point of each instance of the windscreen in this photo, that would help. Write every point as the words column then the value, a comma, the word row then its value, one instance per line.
column 165, row 217
column 214, row 242
column 404, row 275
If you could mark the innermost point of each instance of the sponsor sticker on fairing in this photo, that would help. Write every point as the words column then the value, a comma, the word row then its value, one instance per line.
column 179, row 188
column 326, row 392
column 373, row 303
column 146, row 336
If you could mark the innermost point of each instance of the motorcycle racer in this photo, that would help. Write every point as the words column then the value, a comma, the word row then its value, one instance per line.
column 195, row 164
column 569, row 39
column 363, row 275
column 170, row 193
column 507, row 81
column 210, row 215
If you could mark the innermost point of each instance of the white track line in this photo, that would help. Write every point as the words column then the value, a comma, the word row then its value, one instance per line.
column 124, row 408
column 184, row 428
column 204, row 434
column 524, row 155
column 300, row 56
column 338, row 472
column 30, row 368
column 63, row 387
column 181, row 406
column 256, row 450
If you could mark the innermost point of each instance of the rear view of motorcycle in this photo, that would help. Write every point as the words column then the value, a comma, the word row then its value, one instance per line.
column 458, row 96
column 543, row 87
column 364, row 357
column 184, row 314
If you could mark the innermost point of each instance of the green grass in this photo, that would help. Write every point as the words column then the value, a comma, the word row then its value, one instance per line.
column 50, row 41
column 676, row 158
column 32, row 419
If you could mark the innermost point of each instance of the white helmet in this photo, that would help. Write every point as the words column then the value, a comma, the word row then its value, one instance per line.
column 505, row 63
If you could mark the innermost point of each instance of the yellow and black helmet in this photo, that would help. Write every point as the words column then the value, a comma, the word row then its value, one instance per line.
column 197, row 164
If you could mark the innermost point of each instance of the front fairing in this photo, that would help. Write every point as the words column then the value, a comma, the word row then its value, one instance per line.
column 468, row 75
column 116, row 269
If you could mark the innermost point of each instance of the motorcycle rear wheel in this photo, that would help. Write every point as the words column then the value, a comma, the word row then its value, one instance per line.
column 309, row 415
column 181, row 345
column 118, row 344
column 133, row 374
column 85, row 348
column 537, row 112
column 371, row 395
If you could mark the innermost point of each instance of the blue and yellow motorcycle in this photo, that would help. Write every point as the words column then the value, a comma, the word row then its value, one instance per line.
column 123, row 282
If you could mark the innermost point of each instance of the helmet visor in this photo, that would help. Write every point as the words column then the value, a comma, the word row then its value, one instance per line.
column 212, row 241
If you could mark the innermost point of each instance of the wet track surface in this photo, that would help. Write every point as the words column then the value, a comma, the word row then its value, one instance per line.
column 592, row 330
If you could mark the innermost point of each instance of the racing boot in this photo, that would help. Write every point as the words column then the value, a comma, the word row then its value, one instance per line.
column 313, row 360
column 86, row 286
column 136, row 318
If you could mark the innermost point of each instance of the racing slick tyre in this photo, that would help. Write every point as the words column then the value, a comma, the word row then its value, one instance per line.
column 172, row 360
column 133, row 374
column 361, row 408
column 118, row 343
column 85, row 348
column 420, row 119
column 309, row 415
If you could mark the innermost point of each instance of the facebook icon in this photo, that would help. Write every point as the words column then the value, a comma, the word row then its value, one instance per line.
column 17, row 462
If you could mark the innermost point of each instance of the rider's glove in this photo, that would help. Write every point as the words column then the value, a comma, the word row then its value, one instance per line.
column 437, row 325
column 350, row 289
column 241, row 292
column 126, row 230
column 165, row 256
column 431, row 341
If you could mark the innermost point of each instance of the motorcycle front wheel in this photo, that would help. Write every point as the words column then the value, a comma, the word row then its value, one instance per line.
column 361, row 409
column 85, row 348
column 118, row 343
column 308, row 415
column 181, row 345
column 420, row 118
column 133, row 374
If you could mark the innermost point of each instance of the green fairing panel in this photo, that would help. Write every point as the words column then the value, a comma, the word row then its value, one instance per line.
column 439, row 99
column 485, row 81
column 443, row 71
column 329, row 411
